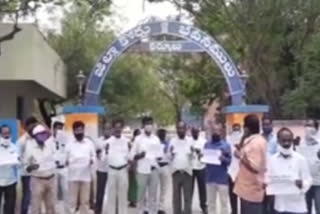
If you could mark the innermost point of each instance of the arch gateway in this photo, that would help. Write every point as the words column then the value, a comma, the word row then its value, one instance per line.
column 136, row 39
column 192, row 40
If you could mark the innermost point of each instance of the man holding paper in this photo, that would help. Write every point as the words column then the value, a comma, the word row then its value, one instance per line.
column 309, row 150
column 8, row 168
column 117, row 158
column 81, row 157
column 147, row 150
column 199, row 171
column 288, row 177
column 217, row 156
column 40, row 163
column 182, row 154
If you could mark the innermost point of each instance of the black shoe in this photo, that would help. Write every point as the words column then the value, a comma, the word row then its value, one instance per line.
column 161, row 212
column 132, row 205
column 145, row 212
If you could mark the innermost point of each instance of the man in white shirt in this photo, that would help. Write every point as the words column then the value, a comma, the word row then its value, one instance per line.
column 81, row 157
column 147, row 150
column 24, row 140
column 40, row 163
column 117, row 158
column 199, row 173
column 61, row 141
column 234, row 139
column 309, row 149
column 290, row 164
column 164, row 171
column 182, row 154
column 8, row 175
column 102, row 166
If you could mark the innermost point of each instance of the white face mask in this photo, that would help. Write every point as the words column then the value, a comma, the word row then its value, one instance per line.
column 6, row 142
column 148, row 128
column 285, row 151
column 310, row 131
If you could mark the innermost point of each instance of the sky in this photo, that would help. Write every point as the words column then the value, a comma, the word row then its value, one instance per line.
column 126, row 14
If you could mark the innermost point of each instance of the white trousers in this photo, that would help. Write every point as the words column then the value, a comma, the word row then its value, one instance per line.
column 217, row 193
column 117, row 192
column 62, row 190
column 148, row 183
column 164, row 176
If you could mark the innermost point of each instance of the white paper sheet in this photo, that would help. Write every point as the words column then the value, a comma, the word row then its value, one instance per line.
column 211, row 156
column 9, row 159
column 154, row 151
column 282, row 185
column 79, row 162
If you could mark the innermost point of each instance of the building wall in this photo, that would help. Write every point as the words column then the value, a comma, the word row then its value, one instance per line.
column 29, row 57
column 29, row 90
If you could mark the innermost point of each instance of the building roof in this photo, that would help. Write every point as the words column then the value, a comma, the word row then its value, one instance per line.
column 29, row 57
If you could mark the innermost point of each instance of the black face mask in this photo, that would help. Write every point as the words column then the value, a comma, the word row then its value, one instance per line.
column 79, row 136
column 181, row 135
column 215, row 137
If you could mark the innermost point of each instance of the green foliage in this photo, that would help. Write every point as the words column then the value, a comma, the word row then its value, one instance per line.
column 270, row 39
column 130, row 89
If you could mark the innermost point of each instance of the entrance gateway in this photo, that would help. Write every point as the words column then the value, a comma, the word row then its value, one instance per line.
column 192, row 40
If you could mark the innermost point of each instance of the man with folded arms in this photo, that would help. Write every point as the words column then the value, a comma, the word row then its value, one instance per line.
column 40, row 163
column 117, row 148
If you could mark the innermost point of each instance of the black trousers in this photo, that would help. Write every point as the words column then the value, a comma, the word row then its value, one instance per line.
column 9, row 195
column 268, row 204
column 233, row 198
column 248, row 207
column 199, row 176
column 26, row 194
column 102, row 178
column 182, row 186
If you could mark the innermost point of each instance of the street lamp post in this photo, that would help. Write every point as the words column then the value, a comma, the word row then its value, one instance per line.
column 81, row 79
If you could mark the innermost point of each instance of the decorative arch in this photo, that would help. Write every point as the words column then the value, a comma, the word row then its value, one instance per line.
column 187, row 32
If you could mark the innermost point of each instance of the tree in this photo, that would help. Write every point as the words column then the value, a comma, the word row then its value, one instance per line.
column 130, row 89
column 266, row 37
column 15, row 10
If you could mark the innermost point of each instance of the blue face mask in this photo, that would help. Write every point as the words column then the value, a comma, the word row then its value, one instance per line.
column 42, row 137
column 267, row 130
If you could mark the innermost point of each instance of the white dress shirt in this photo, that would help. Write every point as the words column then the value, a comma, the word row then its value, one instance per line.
column 233, row 139
column 23, row 141
column 61, row 143
column 182, row 154
column 118, row 154
column 102, row 161
column 297, row 166
column 8, row 175
column 44, row 156
column 310, row 152
column 81, row 158
column 147, row 144
column 198, row 144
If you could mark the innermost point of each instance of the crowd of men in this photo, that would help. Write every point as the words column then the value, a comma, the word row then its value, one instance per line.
column 137, row 172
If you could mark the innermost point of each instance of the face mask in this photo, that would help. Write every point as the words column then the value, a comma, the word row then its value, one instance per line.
column 42, row 137
column 267, row 130
column 310, row 131
column 6, row 141
column 181, row 135
column 215, row 137
column 148, row 128
column 79, row 136
column 285, row 151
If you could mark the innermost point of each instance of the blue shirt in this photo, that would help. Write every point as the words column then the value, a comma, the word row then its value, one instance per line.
column 272, row 143
column 218, row 173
